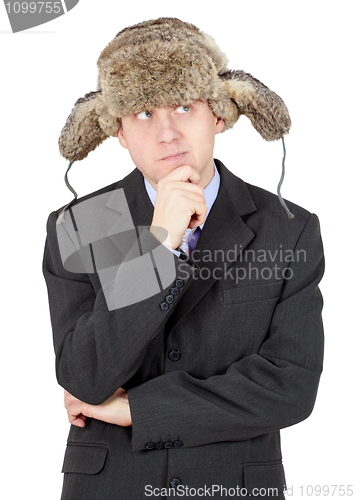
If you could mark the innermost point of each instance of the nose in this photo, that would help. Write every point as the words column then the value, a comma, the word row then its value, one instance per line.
column 167, row 131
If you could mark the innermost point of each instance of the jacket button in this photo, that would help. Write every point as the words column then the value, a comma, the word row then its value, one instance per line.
column 164, row 306
column 150, row 445
column 169, row 299
column 168, row 444
column 159, row 445
column 175, row 482
column 179, row 283
column 175, row 290
column 178, row 444
column 174, row 355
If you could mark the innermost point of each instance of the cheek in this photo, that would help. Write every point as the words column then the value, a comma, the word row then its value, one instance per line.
column 204, row 138
column 142, row 153
column 139, row 145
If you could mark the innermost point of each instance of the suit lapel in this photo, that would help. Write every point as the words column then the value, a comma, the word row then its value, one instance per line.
column 223, row 237
column 133, row 209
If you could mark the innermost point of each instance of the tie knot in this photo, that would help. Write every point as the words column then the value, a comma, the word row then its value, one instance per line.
column 184, row 245
column 188, row 233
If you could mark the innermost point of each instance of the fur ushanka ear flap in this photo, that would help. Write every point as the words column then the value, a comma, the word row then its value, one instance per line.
column 82, row 132
column 166, row 62
column 265, row 109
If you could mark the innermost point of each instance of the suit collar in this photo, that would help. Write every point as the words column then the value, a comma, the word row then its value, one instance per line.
column 140, row 206
column 237, row 190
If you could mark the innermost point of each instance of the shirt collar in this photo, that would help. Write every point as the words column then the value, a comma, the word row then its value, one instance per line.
column 210, row 191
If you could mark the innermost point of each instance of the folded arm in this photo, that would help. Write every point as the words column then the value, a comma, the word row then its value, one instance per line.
column 262, row 392
column 98, row 350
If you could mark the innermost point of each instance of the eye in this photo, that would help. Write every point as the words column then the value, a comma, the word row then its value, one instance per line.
column 183, row 109
column 144, row 115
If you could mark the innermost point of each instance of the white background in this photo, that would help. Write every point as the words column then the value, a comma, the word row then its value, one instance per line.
column 302, row 50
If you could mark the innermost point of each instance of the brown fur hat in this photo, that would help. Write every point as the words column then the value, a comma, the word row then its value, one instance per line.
column 167, row 62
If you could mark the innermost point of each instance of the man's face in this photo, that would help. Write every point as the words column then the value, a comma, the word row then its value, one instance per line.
column 162, row 139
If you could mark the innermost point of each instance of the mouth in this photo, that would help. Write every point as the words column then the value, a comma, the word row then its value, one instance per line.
column 178, row 156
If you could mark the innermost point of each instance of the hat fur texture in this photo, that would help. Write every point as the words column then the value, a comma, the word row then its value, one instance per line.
column 167, row 62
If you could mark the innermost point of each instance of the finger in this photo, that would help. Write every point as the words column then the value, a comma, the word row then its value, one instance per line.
column 199, row 216
column 73, row 419
column 72, row 416
column 190, row 194
column 81, row 417
column 78, row 409
column 184, row 173
column 79, row 422
column 186, row 187
column 76, row 415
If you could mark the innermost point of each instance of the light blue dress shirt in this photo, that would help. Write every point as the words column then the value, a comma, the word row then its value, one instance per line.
column 210, row 194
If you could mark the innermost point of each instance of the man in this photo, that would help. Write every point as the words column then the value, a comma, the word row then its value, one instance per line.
column 178, row 379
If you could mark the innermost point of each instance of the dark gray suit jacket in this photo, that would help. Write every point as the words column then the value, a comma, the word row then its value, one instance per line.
column 214, row 365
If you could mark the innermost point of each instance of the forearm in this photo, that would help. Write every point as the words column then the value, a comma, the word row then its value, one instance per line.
column 97, row 349
column 271, row 387
column 255, row 396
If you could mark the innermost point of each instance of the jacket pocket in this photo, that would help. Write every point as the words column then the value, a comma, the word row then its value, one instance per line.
column 252, row 293
column 265, row 479
column 84, row 458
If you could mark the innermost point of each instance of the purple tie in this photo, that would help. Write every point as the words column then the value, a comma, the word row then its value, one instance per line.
column 184, row 245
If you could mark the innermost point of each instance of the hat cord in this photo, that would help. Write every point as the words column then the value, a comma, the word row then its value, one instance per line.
column 282, row 201
column 60, row 218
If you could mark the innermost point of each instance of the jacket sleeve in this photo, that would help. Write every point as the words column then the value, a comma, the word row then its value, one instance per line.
column 262, row 392
column 96, row 349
